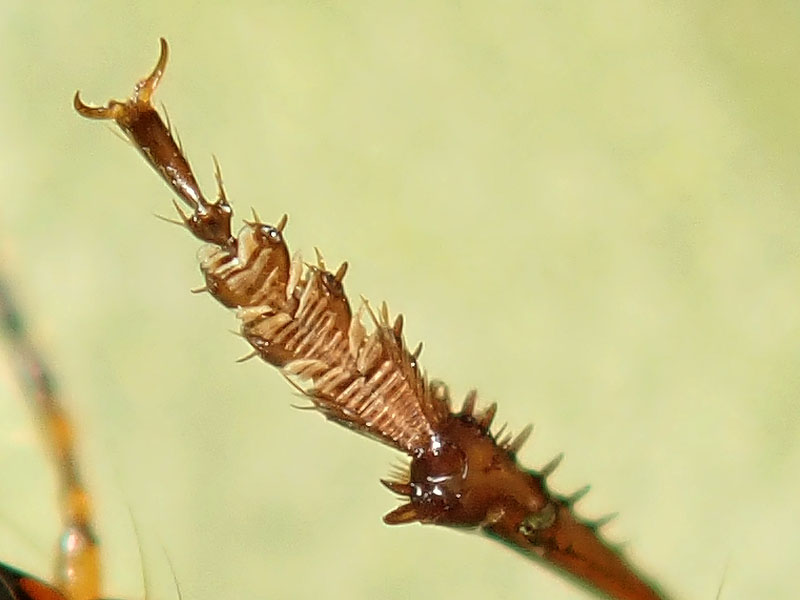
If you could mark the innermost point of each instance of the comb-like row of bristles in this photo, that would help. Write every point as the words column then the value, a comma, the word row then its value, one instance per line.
column 297, row 317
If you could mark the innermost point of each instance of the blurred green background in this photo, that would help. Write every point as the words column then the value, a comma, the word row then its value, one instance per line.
column 587, row 211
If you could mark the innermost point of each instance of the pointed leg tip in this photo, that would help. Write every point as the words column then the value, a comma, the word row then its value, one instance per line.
column 407, row 513
column 398, row 487
column 145, row 88
column 77, row 103
column 514, row 445
column 548, row 469
column 249, row 356
column 112, row 111
column 163, row 57
column 576, row 496
column 468, row 407
column 341, row 272
column 604, row 520
column 486, row 418
column 282, row 223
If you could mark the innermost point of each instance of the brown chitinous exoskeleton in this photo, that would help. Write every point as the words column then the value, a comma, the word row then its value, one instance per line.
column 467, row 477
column 462, row 478
column 297, row 317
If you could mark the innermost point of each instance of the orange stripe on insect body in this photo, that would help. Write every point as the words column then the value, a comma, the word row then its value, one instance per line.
column 78, row 570
column 15, row 585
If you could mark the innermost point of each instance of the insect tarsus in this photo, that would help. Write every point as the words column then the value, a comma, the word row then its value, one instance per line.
column 297, row 317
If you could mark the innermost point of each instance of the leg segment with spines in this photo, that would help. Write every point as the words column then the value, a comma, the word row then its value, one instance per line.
column 297, row 317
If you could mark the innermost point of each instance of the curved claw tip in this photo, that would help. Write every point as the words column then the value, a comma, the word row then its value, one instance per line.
column 91, row 112
column 145, row 88
column 77, row 103
column 164, row 54
column 141, row 96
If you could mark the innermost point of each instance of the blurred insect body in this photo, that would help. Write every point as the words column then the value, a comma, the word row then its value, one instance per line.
column 78, row 563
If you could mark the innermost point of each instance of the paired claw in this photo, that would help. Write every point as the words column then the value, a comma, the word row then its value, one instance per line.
column 142, row 92
column 144, row 127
